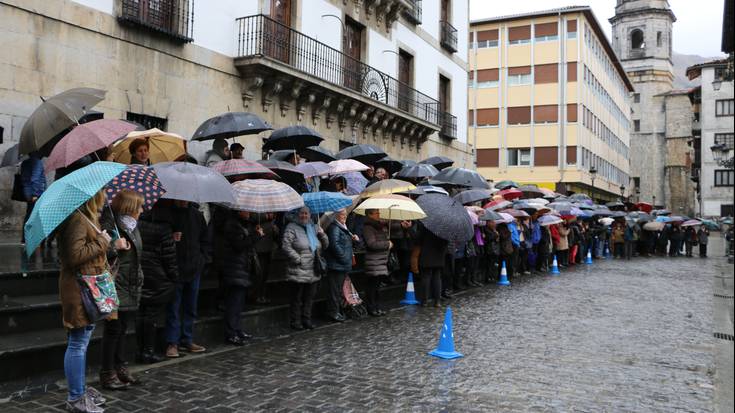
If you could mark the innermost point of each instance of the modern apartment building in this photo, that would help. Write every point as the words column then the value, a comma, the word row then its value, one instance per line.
column 548, row 102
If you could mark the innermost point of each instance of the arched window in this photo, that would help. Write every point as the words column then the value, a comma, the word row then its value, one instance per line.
column 636, row 40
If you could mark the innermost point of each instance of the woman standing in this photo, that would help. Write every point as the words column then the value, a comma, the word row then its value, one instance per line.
column 377, row 248
column 339, row 262
column 302, row 242
column 82, row 250
column 618, row 240
column 127, row 206
column 563, row 245
column 703, row 235
column 428, row 260
column 140, row 152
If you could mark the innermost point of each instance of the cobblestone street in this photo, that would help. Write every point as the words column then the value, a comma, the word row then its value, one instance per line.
column 615, row 336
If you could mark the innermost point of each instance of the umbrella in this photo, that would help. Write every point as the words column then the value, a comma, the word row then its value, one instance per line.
column 462, row 177
column 356, row 183
column 507, row 184
column 473, row 216
column 581, row 198
column 527, row 207
column 615, row 204
column 644, row 206
column 321, row 202
column 294, row 137
column 570, row 212
column 438, row 162
column 515, row 213
column 11, row 157
column 663, row 218
column 138, row 178
column 408, row 162
column 387, row 186
column 559, row 205
column 417, row 171
column 510, row 194
column 691, row 223
column 726, row 221
column 472, row 195
column 367, row 154
column 446, row 218
column 189, row 182
column 607, row 221
column 392, row 207
column 317, row 153
column 342, row 166
column 640, row 216
column 285, row 155
column 285, row 170
column 426, row 189
column 602, row 212
column 239, row 169
column 490, row 215
column 677, row 218
column 547, row 220
column 497, row 205
column 654, row 226
column 164, row 146
column 584, row 206
column 711, row 225
column 537, row 201
column 505, row 218
column 229, row 125
column 311, row 169
column 389, row 164
column 85, row 139
column 63, row 197
column 55, row 115
column 530, row 191
column 617, row 214
column 661, row 212
column 263, row 195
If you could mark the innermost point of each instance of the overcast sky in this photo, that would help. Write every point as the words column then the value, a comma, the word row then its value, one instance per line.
column 697, row 30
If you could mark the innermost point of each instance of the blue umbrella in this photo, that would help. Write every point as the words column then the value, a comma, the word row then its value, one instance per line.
column 64, row 196
column 356, row 183
column 321, row 202
column 663, row 218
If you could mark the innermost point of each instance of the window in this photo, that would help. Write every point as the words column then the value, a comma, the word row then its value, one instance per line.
column 171, row 17
column 487, row 78
column 486, row 43
column 546, row 73
column 636, row 98
column 719, row 73
column 724, row 177
column 519, row 41
column 519, row 157
column 520, row 115
column 545, row 114
column 487, row 38
column 148, row 122
column 659, row 39
column 487, row 117
column 725, row 138
column 519, row 80
column 637, row 41
column 637, row 125
column 724, row 107
column 727, row 210
column 519, row 35
column 545, row 32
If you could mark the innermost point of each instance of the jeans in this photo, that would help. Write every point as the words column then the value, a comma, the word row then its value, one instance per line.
column 182, row 312
column 334, row 282
column 75, row 360
column 234, row 304
column 600, row 248
column 431, row 284
column 113, row 340
column 302, row 300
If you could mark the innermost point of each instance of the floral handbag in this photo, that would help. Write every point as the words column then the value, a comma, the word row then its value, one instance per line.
column 99, row 296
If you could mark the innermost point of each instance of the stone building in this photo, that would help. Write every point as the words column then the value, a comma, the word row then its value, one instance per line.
column 392, row 73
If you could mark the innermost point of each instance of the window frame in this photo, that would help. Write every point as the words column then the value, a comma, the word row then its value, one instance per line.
column 727, row 138
column 720, row 106
column 518, row 157
column 719, row 174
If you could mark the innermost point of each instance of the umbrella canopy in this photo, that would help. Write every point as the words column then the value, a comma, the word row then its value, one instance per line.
column 417, row 171
column 343, row 166
column 294, row 137
column 164, row 146
column 387, row 186
column 559, row 205
column 356, row 183
column 727, row 221
column 601, row 212
column 389, row 164
column 537, row 201
column 317, row 153
column 490, row 215
column 239, row 169
column 640, row 216
column 515, row 213
column 677, row 218
column 263, row 195
column 438, row 162
column 446, row 218
column 525, row 206
column 547, row 220
column 229, row 125
column 570, row 212
column 472, row 195
column 85, row 139
column 426, row 189
column 530, row 191
column 691, row 223
column 408, row 162
column 663, row 218
column 138, row 178
column 63, row 197
column 581, row 198
column 186, row 181
column 285, row 170
column 462, row 177
column 645, row 207
column 321, row 202
column 311, row 169
column 55, row 115
column 584, row 206
column 711, row 225
column 497, row 204
column 392, row 207
column 507, row 184
column 11, row 157
column 607, row 221
column 367, row 154
column 285, row 155
column 654, row 226
column 510, row 194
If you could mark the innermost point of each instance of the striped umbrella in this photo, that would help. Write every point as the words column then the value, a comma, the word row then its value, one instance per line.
column 262, row 195
column 321, row 202
column 239, row 169
column 138, row 178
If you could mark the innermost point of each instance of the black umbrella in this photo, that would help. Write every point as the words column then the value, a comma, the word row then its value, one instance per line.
column 292, row 137
column 439, row 162
column 417, row 171
column 490, row 215
column 284, row 155
column 525, row 207
column 389, row 164
column 317, row 153
column 446, row 218
column 613, row 205
column 659, row 212
column 462, row 177
column 408, row 162
column 229, row 125
column 472, row 195
column 367, row 154
column 285, row 170
column 12, row 157
column 530, row 191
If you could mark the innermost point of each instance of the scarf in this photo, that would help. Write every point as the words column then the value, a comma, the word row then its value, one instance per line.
column 311, row 235
column 128, row 223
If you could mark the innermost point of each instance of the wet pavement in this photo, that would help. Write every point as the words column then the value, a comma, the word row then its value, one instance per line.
column 615, row 336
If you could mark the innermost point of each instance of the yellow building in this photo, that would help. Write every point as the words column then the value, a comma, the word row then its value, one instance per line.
column 548, row 102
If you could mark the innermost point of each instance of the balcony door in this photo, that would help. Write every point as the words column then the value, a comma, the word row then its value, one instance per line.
column 445, row 4
column 405, row 72
column 352, row 48
column 277, row 31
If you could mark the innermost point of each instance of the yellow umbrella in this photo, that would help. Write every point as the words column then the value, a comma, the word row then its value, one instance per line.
column 386, row 187
column 392, row 207
column 164, row 146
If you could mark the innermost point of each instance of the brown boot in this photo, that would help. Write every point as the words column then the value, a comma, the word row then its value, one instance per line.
column 110, row 381
column 123, row 374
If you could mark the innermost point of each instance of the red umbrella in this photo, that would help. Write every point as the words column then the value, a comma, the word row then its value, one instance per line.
column 510, row 194
column 497, row 205
column 645, row 207
column 85, row 139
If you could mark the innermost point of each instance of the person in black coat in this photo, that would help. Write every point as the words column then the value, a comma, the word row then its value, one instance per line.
column 192, row 255
column 160, row 274
column 428, row 259
column 339, row 263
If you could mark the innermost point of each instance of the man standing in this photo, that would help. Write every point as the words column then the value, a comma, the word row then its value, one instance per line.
column 236, row 151
column 34, row 183
column 219, row 152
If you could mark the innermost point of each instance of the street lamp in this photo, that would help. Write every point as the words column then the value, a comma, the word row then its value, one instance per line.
column 654, row 201
column 637, row 194
column 593, row 173
column 720, row 153
column 622, row 191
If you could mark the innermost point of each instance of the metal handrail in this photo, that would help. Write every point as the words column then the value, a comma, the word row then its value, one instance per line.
column 413, row 13
column 448, row 125
column 174, row 18
column 448, row 36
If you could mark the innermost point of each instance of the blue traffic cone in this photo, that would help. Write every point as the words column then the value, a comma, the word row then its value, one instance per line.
column 503, row 276
column 607, row 250
column 589, row 257
column 410, row 298
column 445, row 349
column 555, row 267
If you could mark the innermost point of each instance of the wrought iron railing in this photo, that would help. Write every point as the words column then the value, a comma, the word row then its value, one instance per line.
column 448, row 36
column 261, row 36
column 174, row 18
column 449, row 125
column 413, row 13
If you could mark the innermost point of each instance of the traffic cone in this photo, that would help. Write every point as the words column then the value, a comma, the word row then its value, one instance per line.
column 589, row 257
column 410, row 298
column 503, row 276
column 555, row 267
column 607, row 250
column 445, row 349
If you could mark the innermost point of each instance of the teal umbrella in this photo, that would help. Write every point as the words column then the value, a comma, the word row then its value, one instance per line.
column 64, row 196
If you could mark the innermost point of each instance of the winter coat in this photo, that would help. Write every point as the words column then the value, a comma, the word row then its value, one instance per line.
column 492, row 242
column 237, row 239
column 515, row 236
column 376, row 248
column 563, row 244
column 269, row 242
column 618, row 234
column 129, row 273
column 339, row 253
column 192, row 251
column 212, row 157
column 703, row 235
column 33, row 177
column 295, row 246
column 81, row 251
column 506, row 244
column 160, row 271
column 430, row 250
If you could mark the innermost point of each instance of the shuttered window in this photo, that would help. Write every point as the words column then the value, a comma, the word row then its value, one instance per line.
column 546, row 114
column 519, row 35
column 520, row 115
column 487, row 117
column 487, row 38
column 546, row 73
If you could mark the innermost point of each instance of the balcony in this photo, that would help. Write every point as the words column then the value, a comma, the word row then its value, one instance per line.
column 413, row 12
column 173, row 18
column 449, row 126
column 448, row 36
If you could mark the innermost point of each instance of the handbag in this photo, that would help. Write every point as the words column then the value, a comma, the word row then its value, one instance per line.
column 393, row 263
column 99, row 297
column 18, row 194
column 320, row 264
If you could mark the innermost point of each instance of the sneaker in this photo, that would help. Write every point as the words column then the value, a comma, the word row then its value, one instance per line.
column 235, row 341
column 193, row 348
column 95, row 395
column 172, row 351
column 83, row 405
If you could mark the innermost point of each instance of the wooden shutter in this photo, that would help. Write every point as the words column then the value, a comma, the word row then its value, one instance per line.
column 519, row 33
column 487, row 35
column 546, row 73
column 487, row 75
column 487, row 117
column 520, row 70
column 487, row 158
column 546, row 29
column 571, row 112
column 545, row 113
column 571, row 155
column 571, row 26
column 571, row 71
column 545, row 156
column 519, row 115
